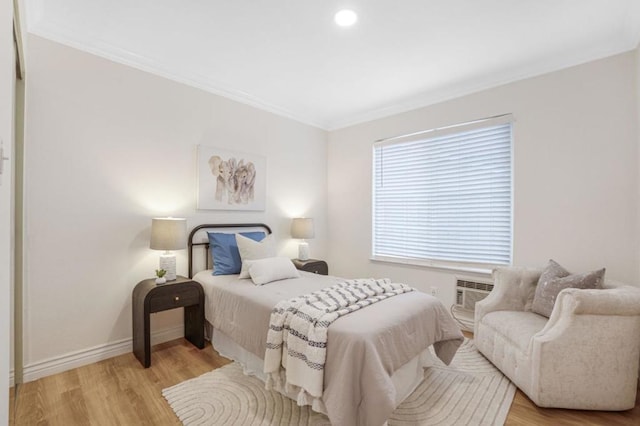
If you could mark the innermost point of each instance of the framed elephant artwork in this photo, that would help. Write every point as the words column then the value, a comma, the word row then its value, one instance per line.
column 230, row 180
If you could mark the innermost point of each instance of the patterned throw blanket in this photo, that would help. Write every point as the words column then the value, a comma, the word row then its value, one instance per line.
column 297, row 338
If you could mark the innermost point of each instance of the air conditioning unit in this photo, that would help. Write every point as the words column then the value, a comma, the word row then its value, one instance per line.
column 468, row 292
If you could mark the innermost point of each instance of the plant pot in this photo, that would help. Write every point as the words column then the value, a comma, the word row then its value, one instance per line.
column 161, row 280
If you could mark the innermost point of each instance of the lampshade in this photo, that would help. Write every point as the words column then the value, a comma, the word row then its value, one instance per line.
column 168, row 233
column 302, row 228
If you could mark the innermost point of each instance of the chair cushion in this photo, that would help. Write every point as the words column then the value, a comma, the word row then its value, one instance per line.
column 515, row 326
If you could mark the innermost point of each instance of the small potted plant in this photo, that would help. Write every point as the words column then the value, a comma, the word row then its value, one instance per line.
column 160, row 273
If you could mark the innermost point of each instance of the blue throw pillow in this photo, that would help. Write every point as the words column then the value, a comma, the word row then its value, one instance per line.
column 224, row 251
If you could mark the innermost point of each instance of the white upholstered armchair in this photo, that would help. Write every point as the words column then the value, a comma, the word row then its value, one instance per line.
column 584, row 356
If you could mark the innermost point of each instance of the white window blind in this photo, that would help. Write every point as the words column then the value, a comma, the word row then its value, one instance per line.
column 445, row 194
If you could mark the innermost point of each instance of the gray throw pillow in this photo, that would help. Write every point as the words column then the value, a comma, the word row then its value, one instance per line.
column 554, row 279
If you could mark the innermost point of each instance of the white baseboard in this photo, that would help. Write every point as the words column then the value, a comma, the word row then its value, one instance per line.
column 12, row 378
column 87, row 356
column 165, row 335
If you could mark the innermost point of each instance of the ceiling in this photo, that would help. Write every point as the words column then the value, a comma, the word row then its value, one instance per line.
column 288, row 56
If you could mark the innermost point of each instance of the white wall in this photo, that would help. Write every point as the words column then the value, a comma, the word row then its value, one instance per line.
column 7, row 79
column 575, row 173
column 109, row 147
column 637, row 117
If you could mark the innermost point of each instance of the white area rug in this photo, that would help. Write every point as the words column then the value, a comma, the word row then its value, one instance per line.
column 471, row 391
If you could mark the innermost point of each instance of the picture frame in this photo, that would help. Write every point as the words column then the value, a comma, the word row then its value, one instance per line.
column 230, row 180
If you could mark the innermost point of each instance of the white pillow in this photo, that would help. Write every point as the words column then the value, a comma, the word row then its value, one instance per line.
column 253, row 250
column 264, row 271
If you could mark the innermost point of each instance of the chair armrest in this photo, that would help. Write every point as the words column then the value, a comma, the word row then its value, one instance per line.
column 621, row 301
column 598, row 328
column 513, row 290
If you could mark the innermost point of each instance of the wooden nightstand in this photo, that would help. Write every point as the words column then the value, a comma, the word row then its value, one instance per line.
column 312, row 265
column 149, row 297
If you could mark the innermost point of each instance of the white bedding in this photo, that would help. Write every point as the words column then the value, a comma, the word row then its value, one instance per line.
column 374, row 355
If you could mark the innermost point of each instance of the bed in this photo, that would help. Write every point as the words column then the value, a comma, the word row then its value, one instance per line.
column 374, row 356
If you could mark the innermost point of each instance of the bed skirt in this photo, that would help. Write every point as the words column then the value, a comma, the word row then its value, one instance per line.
column 405, row 379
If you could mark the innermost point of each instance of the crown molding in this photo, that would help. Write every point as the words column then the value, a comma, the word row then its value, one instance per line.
column 122, row 56
column 628, row 41
column 489, row 81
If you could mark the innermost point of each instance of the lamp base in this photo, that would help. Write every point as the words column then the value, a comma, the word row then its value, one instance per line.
column 168, row 263
column 303, row 251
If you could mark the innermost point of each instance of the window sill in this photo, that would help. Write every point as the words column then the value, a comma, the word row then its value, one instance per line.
column 442, row 266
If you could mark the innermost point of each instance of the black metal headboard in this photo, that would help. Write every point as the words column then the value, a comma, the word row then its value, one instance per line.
column 191, row 243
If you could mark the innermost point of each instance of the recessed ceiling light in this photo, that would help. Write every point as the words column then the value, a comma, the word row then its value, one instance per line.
column 346, row 18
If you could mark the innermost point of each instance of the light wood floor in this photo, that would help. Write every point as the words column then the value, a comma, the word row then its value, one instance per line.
column 118, row 391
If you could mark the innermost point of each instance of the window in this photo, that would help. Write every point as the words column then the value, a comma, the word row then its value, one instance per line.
column 444, row 195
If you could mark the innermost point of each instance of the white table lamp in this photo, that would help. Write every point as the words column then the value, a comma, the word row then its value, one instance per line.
column 302, row 228
column 168, row 234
